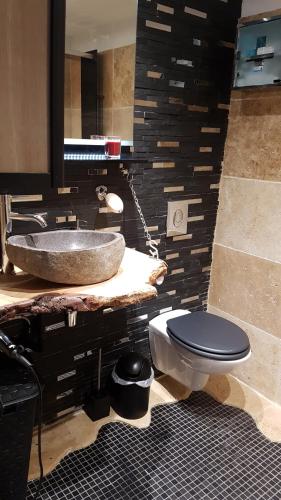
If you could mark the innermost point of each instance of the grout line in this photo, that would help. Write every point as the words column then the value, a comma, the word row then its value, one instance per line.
column 249, row 179
column 247, row 253
column 264, row 332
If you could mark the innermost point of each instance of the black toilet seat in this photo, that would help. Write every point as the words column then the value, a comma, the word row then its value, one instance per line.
column 209, row 336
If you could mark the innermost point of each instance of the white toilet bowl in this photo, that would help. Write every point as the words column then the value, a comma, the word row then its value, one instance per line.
column 195, row 346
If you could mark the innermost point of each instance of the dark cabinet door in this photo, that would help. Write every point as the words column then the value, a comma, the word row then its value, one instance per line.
column 31, row 94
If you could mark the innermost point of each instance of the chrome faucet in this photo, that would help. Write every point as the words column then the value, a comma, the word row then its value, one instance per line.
column 6, row 218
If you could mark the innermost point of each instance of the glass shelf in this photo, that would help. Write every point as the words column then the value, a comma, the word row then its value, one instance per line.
column 260, row 58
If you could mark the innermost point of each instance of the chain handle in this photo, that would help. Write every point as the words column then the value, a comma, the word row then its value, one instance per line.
column 152, row 244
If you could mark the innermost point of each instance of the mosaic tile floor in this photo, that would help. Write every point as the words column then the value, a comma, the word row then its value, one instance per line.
column 195, row 449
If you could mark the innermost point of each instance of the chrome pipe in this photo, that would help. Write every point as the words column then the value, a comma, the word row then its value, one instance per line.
column 71, row 319
column 39, row 218
column 4, row 222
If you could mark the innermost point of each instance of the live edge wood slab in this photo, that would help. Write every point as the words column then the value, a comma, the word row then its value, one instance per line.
column 24, row 294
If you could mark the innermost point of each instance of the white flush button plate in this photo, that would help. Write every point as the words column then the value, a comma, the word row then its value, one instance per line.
column 177, row 218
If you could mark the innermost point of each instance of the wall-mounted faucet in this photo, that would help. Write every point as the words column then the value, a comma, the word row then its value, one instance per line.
column 6, row 218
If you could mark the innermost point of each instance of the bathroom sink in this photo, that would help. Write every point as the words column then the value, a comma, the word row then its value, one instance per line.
column 68, row 257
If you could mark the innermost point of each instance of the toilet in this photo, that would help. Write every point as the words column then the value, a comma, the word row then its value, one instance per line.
column 191, row 346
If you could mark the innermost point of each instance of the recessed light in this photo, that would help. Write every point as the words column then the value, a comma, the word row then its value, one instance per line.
column 265, row 19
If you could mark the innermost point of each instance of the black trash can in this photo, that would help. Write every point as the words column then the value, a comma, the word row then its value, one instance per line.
column 130, row 386
column 18, row 397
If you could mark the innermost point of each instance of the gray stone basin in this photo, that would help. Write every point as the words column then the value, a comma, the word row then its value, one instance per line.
column 68, row 257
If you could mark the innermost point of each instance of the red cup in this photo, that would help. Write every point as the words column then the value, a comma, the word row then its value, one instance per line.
column 112, row 147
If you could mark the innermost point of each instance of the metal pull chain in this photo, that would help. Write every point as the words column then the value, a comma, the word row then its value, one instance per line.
column 153, row 246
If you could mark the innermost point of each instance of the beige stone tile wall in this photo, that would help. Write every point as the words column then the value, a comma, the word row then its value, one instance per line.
column 262, row 371
column 253, row 148
column 249, row 217
column 72, row 98
column 247, row 287
column 246, row 270
column 117, row 84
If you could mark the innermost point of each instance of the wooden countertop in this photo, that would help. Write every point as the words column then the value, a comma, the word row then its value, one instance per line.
column 25, row 294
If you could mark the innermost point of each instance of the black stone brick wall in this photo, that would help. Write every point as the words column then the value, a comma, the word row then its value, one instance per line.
column 172, row 124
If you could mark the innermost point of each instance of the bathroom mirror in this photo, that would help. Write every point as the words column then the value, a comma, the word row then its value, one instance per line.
column 100, row 68
column 258, row 53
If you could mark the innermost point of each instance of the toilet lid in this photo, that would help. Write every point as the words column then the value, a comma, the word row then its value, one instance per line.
column 209, row 334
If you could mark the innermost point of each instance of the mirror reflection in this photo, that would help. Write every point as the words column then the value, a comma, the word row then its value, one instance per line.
column 100, row 68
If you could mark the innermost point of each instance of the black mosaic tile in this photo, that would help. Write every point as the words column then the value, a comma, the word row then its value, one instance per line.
column 196, row 449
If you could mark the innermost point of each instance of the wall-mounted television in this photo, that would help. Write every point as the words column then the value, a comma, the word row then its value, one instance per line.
column 258, row 53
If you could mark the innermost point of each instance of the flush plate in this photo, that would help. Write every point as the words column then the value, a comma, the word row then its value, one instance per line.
column 177, row 218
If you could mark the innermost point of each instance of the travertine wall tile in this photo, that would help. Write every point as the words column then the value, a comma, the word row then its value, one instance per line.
column 249, row 217
column 124, row 76
column 262, row 372
column 122, row 122
column 106, row 77
column 76, row 123
column 247, row 287
column 72, row 97
column 116, row 73
column 251, row 11
column 246, row 271
column 117, row 85
column 67, row 88
column 75, row 82
column 72, row 123
column 107, row 121
column 67, row 122
column 253, row 147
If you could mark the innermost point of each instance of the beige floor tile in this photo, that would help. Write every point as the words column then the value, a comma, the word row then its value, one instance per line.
column 278, row 397
column 78, row 431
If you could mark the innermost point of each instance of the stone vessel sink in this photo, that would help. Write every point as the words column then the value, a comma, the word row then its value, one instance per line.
column 68, row 257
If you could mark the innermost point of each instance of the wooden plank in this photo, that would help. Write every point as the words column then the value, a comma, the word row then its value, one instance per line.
column 24, row 86
column 23, row 293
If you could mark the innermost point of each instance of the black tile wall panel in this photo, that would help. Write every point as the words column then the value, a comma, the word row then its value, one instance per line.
column 163, row 113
